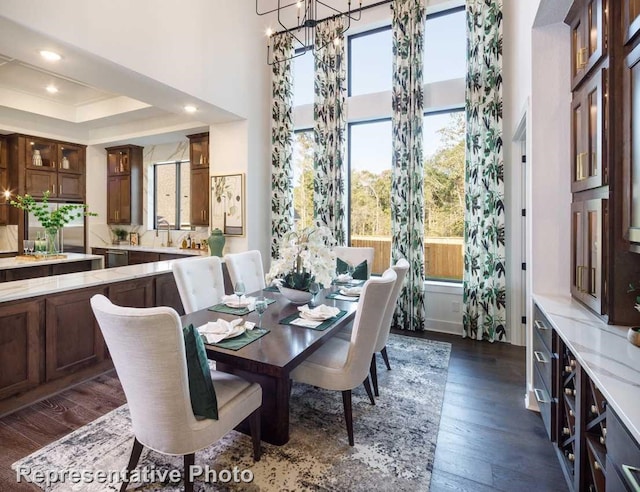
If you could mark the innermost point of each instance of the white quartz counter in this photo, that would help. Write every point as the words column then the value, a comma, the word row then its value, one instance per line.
column 604, row 351
column 23, row 289
column 151, row 249
column 16, row 262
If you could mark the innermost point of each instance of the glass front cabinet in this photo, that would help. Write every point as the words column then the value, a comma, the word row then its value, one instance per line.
column 588, row 37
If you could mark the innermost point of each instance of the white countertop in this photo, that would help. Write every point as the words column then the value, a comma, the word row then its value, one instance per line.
column 15, row 262
column 604, row 351
column 152, row 249
column 23, row 289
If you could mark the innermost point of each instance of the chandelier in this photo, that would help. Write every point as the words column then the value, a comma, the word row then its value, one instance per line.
column 300, row 18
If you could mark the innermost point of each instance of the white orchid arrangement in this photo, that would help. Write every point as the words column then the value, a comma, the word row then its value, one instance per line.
column 305, row 256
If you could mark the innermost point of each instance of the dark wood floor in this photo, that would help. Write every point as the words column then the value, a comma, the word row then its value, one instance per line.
column 487, row 440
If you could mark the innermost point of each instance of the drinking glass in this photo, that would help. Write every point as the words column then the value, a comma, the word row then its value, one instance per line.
column 350, row 270
column 261, row 307
column 239, row 290
column 31, row 246
column 314, row 288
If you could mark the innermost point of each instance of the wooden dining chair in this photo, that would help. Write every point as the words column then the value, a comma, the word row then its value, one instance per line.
column 200, row 282
column 246, row 267
column 148, row 350
column 343, row 365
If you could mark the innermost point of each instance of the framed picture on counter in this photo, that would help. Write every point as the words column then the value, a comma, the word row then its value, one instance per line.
column 134, row 238
column 228, row 204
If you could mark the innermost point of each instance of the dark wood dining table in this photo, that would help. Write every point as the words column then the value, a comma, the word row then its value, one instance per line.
column 270, row 359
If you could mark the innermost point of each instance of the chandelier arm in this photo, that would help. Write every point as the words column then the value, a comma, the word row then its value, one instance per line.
column 274, row 10
column 347, row 13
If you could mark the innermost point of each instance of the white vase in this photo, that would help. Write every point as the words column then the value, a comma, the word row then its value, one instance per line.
column 295, row 296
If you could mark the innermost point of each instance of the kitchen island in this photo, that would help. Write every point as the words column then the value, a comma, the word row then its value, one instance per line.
column 50, row 339
column 25, row 267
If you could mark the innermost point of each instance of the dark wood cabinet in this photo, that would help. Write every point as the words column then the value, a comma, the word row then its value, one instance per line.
column 166, row 292
column 124, row 184
column 200, row 180
column 200, row 197
column 588, row 218
column 4, row 183
column 138, row 293
column 138, row 257
column 20, row 347
column 588, row 20
column 36, row 271
column 73, row 338
column 631, row 14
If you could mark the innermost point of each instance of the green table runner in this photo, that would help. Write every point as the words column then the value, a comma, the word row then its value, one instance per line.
column 223, row 308
column 326, row 324
column 240, row 341
column 333, row 295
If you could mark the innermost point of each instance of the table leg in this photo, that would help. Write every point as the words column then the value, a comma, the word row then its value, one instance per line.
column 275, row 404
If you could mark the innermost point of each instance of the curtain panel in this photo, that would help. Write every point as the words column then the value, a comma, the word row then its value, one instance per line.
column 281, row 140
column 407, row 190
column 329, row 113
column 484, row 290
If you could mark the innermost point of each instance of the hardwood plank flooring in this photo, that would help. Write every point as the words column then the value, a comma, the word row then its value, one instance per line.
column 487, row 440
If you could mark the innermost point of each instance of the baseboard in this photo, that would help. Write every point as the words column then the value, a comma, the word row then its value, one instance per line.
column 530, row 401
column 441, row 326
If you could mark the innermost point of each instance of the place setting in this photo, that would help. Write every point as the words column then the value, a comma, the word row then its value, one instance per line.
column 316, row 318
column 238, row 304
column 346, row 293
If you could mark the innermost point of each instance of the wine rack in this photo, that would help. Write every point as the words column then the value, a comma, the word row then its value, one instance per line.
column 567, row 414
column 595, row 419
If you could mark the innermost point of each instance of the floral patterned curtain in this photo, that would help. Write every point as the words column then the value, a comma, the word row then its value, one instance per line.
column 407, row 195
column 484, row 235
column 281, row 141
column 329, row 114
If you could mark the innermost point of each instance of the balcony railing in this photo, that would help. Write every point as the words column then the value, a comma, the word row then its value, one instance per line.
column 443, row 255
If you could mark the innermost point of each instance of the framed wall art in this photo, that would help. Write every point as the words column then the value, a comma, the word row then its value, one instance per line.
column 228, row 204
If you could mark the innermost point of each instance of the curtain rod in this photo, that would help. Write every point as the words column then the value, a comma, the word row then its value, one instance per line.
column 354, row 11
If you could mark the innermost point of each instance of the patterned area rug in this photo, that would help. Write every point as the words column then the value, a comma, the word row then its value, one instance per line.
column 395, row 440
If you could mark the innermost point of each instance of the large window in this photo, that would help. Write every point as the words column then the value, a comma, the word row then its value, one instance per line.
column 370, row 62
column 303, row 91
column 303, row 178
column 171, row 194
column 445, row 46
column 444, row 154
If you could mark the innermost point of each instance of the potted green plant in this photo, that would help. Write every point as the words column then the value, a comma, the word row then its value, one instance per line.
column 633, row 335
column 120, row 234
column 51, row 220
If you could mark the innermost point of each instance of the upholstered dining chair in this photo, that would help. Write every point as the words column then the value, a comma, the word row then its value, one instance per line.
column 343, row 365
column 200, row 282
column 401, row 268
column 247, row 268
column 356, row 255
column 148, row 350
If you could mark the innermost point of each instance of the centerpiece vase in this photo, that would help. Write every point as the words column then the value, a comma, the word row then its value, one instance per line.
column 51, row 236
column 295, row 296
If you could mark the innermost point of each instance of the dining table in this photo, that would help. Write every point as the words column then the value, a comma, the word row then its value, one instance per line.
column 270, row 359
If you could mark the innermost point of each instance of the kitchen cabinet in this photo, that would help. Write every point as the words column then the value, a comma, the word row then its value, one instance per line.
column 631, row 14
column 73, row 338
column 200, row 180
column 4, row 183
column 589, row 121
column 166, row 293
column 124, row 184
column 588, row 20
column 21, row 347
column 138, row 293
column 588, row 219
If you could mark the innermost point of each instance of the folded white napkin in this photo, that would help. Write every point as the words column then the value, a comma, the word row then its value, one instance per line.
column 351, row 291
column 233, row 301
column 307, row 323
column 340, row 297
column 344, row 277
column 215, row 331
column 321, row 311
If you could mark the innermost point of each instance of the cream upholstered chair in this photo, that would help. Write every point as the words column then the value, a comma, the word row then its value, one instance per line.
column 200, row 282
column 343, row 365
column 246, row 267
column 354, row 256
column 148, row 351
column 401, row 268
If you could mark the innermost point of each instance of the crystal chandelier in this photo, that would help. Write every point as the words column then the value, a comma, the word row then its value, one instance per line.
column 306, row 19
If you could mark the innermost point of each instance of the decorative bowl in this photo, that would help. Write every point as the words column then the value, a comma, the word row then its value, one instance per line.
column 295, row 296
column 633, row 335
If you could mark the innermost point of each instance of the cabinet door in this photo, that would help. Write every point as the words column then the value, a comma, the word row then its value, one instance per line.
column 119, row 200
column 39, row 181
column 133, row 293
column 137, row 257
column 73, row 336
column 200, row 197
column 632, row 135
column 71, row 158
column 199, row 151
column 4, row 212
column 167, row 292
column 118, row 162
column 70, row 186
column 589, row 134
column 41, row 154
column 631, row 19
column 588, row 38
column 577, row 249
column 20, row 347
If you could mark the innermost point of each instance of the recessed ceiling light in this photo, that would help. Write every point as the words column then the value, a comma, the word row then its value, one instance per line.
column 52, row 89
column 190, row 108
column 50, row 55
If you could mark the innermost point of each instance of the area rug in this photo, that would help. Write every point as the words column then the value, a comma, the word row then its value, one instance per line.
column 395, row 440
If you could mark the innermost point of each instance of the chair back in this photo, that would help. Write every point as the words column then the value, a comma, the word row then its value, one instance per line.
column 355, row 256
column 200, row 282
column 401, row 268
column 147, row 348
column 246, row 267
column 371, row 307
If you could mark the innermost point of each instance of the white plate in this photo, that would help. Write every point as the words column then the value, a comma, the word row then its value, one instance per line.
column 236, row 331
column 237, row 305
column 350, row 293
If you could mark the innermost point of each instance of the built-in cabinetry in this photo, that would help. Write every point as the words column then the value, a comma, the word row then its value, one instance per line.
column 4, row 215
column 124, row 184
column 589, row 36
column 200, row 182
column 593, row 446
column 34, row 270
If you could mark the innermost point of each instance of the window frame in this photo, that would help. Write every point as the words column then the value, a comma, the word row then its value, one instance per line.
column 178, row 166
column 350, row 53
